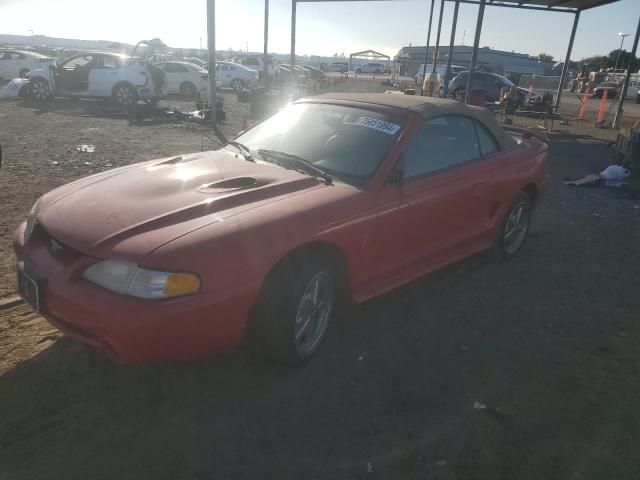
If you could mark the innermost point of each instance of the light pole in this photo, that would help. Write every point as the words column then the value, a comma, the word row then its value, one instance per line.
column 622, row 36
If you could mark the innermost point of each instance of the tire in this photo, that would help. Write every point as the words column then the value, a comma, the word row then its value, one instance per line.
column 23, row 72
column 188, row 89
column 237, row 84
column 294, row 309
column 514, row 228
column 40, row 90
column 125, row 94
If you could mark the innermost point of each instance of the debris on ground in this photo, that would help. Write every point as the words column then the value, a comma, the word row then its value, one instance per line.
column 441, row 463
column 479, row 405
column 14, row 89
column 86, row 148
column 615, row 176
column 591, row 180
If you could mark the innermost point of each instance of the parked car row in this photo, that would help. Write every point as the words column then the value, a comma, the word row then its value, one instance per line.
column 18, row 63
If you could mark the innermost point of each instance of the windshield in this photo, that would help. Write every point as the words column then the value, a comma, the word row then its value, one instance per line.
column 348, row 143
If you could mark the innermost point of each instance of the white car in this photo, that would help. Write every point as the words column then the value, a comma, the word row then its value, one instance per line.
column 236, row 76
column 184, row 78
column 195, row 61
column 100, row 75
column 17, row 63
column 371, row 67
column 256, row 63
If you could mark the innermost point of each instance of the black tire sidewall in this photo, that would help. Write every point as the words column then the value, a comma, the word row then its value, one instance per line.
column 521, row 197
column 188, row 89
column 271, row 327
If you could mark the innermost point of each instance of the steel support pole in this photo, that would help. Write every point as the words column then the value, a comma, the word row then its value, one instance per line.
column 266, row 43
column 474, row 52
column 294, row 4
column 567, row 59
column 454, row 24
column 426, row 49
column 211, row 45
column 437, row 48
column 618, row 118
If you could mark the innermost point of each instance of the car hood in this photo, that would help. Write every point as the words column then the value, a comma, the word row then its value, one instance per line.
column 133, row 210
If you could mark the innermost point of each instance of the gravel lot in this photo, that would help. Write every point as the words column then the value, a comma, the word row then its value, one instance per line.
column 548, row 342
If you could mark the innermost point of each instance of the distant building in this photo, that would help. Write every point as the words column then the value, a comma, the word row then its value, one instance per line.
column 504, row 63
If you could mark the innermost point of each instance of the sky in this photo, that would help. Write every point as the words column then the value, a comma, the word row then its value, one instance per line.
column 322, row 28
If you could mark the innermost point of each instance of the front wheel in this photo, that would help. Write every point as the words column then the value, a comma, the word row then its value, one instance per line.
column 40, row 89
column 515, row 227
column 237, row 84
column 188, row 89
column 294, row 310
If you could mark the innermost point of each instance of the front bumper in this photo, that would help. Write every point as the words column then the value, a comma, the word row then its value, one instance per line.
column 128, row 329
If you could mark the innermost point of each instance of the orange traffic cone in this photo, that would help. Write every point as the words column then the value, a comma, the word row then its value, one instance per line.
column 603, row 107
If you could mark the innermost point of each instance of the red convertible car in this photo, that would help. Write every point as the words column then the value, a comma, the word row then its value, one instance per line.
column 337, row 197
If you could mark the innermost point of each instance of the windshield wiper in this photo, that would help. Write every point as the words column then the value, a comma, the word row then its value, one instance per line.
column 306, row 164
column 243, row 149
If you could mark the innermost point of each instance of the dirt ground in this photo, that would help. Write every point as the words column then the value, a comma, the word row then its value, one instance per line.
column 547, row 342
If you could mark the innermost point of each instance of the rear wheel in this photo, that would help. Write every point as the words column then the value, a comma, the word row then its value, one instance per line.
column 515, row 227
column 294, row 310
column 237, row 84
column 40, row 89
column 188, row 89
column 125, row 94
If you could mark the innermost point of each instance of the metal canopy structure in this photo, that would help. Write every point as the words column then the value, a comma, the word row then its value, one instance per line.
column 563, row 6
column 368, row 54
column 571, row 6
column 574, row 7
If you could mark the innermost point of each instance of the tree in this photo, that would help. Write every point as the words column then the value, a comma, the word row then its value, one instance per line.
column 626, row 59
column 545, row 57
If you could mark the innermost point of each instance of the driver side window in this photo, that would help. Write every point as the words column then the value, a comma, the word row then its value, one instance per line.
column 440, row 143
column 77, row 62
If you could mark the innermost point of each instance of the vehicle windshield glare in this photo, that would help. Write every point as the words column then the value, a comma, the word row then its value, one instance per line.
column 348, row 143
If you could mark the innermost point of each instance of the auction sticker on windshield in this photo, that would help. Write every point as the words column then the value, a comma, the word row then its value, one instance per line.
column 380, row 125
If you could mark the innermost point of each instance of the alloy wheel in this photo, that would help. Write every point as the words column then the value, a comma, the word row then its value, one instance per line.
column 516, row 227
column 125, row 95
column 40, row 90
column 314, row 311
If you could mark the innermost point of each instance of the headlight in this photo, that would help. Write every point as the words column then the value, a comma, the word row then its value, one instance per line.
column 127, row 278
column 31, row 223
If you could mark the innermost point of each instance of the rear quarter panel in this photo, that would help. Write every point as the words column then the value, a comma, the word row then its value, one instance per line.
column 523, row 166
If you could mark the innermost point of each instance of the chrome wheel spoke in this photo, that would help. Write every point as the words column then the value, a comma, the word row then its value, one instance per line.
column 313, row 314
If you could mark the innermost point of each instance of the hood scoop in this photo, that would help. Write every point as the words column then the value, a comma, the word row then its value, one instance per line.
column 175, row 161
column 230, row 184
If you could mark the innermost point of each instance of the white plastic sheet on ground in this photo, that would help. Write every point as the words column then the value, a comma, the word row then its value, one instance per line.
column 12, row 89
